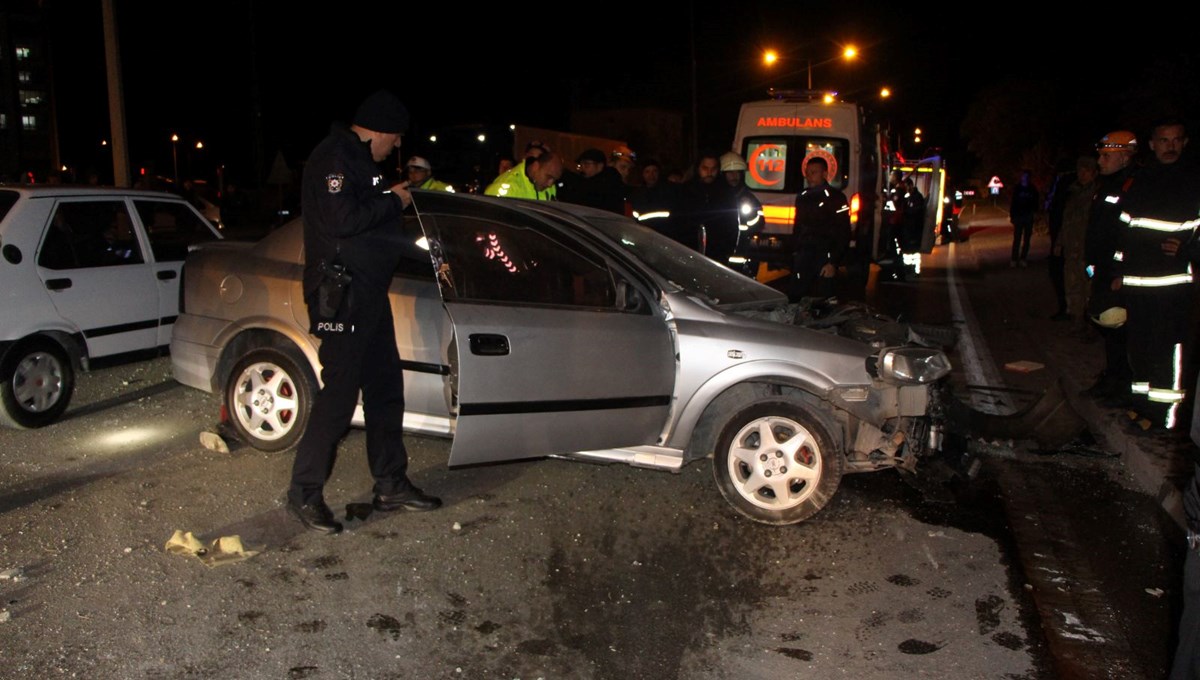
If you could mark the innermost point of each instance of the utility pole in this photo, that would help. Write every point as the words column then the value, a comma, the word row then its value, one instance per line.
column 116, row 98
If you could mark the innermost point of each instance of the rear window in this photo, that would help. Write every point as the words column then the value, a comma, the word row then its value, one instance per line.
column 776, row 164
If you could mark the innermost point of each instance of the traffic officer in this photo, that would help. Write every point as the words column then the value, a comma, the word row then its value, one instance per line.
column 348, row 212
column 821, row 233
column 1160, row 215
column 536, row 177
column 1115, row 153
column 420, row 176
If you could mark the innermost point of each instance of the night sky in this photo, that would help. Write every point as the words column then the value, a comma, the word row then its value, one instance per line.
column 211, row 70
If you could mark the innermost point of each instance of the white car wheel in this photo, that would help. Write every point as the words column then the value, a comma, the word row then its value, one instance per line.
column 776, row 464
column 269, row 397
column 38, row 383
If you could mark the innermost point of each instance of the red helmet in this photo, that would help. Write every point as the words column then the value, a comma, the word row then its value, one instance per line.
column 1119, row 140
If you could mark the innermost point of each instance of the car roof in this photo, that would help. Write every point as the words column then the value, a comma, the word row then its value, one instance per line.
column 53, row 190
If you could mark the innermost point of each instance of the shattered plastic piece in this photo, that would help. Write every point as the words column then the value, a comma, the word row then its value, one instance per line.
column 223, row 550
column 1155, row 592
column 213, row 442
column 1024, row 366
column 4, row 616
column 11, row 574
column 457, row 526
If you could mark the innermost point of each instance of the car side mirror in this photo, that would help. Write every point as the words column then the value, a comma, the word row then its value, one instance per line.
column 628, row 298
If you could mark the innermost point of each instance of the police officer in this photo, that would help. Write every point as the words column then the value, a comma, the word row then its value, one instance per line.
column 821, row 234
column 348, row 211
column 420, row 175
column 1159, row 214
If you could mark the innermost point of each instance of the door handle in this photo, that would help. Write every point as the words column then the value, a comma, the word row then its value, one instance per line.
column 58, row 284
column 489, row 345
column 166, row 274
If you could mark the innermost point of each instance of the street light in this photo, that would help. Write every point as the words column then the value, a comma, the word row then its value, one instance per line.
column 849, row 53
column 175, row 156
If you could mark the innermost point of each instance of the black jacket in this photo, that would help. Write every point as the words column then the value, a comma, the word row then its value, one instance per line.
column 1168, row 193
column 822, row 222
column 348, row 207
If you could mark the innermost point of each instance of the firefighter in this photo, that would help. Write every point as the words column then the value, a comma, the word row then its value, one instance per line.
column 1115, row 153
column 746, row 208
column 1159, row 214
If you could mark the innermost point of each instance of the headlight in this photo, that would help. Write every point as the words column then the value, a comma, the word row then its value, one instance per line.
column 914, row 365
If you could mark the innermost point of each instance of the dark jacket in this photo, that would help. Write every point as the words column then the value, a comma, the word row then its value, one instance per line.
column 347, row 207
column 604, row 190
column 1024, row 204
column 657, row 207
column 704, row 205
column 1169, row 195
column 1104, row 223
column 822, row 222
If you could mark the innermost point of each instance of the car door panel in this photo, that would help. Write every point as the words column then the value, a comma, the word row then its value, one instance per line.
column 546, row 358
column 90, row 252
column 571, row 380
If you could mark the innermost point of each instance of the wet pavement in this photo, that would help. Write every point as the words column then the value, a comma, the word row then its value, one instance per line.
column 1096, row 514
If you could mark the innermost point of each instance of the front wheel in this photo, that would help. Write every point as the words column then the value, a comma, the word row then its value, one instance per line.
column 269, row 397
column 38, row 382
column 776, row 464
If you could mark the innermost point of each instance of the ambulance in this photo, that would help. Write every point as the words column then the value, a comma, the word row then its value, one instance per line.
column 778, row 137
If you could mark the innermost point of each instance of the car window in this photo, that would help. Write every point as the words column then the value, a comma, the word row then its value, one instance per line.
column 86, row 234
column 505, row 262
column 172, row 227
column 7, row 200
column 414, row 256
column 685, row 268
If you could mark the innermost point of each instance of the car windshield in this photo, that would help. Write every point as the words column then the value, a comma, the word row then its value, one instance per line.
column 685, row 268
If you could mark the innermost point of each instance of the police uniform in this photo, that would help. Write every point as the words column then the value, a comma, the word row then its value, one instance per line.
column 821, row 236
column 348, row 210
column 1163, row 201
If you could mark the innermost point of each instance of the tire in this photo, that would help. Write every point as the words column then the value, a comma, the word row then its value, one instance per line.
column 269, row 396
column 39, row 380
column 784, row 479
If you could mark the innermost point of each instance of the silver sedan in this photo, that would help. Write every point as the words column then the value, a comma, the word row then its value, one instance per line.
column 534, row 329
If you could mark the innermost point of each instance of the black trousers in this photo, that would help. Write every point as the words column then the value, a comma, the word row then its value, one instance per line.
column 365, row 360
column 1158, row 326
column 1022, row 233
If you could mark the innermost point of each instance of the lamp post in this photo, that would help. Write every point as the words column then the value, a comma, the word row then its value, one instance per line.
column 849, row 53
column 175, row 156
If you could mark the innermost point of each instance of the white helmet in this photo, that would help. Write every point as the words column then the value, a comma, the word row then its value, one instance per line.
column 731, row 162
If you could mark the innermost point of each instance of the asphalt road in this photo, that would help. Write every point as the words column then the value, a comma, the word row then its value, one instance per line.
column 541, row 569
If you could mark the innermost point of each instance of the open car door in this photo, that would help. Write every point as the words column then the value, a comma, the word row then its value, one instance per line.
column 554, row 350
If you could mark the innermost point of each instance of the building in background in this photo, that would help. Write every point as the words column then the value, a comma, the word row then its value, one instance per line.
column 28, row 135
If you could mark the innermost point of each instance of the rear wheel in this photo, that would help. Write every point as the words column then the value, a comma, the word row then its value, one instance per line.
column 38, row 382
column 269, row 397
column 776, row 464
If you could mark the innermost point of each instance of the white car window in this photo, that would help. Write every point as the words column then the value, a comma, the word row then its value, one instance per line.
column 86, row 234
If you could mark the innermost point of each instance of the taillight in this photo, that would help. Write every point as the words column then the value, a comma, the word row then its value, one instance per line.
column 855, row 203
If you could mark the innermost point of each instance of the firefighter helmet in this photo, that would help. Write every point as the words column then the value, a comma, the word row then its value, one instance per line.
column 731, row 162
column 1118, row 140
column 1113, row 317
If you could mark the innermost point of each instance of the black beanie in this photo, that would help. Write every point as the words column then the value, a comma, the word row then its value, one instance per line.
column 382, row 112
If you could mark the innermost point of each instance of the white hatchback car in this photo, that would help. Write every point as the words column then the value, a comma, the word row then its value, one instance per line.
column 85, row 273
